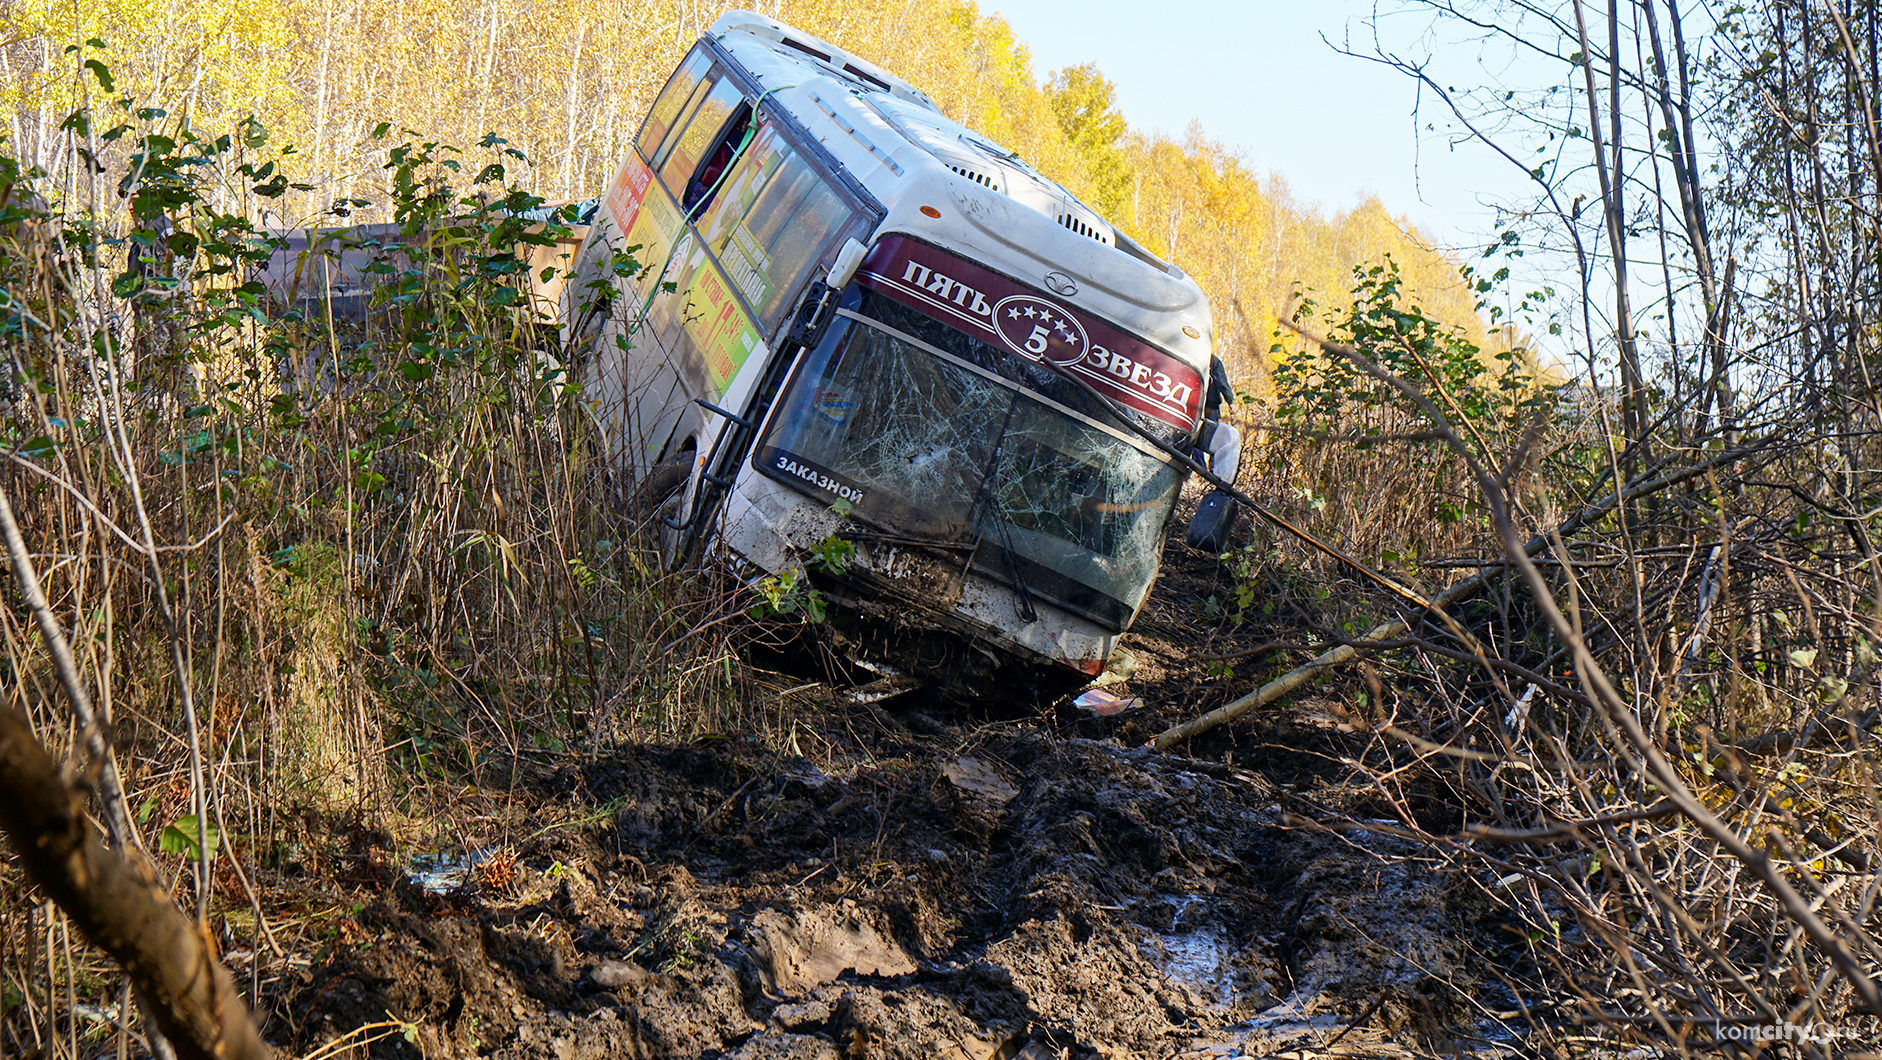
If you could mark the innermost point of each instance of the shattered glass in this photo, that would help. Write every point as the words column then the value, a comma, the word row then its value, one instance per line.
column 1080, row 502
column 912, row 431
column 931, row 448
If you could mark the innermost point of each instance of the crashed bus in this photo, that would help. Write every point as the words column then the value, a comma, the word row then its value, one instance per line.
column 812, row 305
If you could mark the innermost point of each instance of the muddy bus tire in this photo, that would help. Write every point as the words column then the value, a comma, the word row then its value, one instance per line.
column 658, row 500
column 664, row 480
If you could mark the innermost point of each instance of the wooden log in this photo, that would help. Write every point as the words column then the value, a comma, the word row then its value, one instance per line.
column 185, row 990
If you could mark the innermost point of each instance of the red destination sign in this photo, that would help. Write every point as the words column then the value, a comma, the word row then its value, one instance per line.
column 1001, row 312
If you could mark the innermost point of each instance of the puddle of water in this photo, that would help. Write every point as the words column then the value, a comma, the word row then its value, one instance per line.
column 1200, row 961
column 1195, row 954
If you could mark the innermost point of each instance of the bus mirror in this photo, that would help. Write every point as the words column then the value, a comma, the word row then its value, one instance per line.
column 808, row 323
column 847, row 259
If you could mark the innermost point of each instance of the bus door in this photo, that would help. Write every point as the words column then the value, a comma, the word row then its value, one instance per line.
column 760, row 231
column 738, row 210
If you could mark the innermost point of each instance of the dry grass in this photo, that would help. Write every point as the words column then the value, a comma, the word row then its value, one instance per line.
column 301, row 575
column 1734, row 614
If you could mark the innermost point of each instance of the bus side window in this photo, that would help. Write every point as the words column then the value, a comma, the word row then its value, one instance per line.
column 796, row 218
column 712, row 172
column 772, row 220
column 688, row 107
column 701, row 135
column 673, row 98
column 741, row 187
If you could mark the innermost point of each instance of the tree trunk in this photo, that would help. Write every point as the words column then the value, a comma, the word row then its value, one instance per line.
column 120, row 909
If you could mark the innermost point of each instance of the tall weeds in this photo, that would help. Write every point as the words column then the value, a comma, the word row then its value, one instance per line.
column 307, row 563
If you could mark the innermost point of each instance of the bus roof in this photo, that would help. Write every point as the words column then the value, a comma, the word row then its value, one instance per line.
column 943, row 183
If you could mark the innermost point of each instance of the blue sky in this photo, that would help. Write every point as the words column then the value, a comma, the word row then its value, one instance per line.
column 1258, row 76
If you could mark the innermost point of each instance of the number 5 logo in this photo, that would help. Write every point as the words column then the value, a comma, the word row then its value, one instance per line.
column 1040, row 329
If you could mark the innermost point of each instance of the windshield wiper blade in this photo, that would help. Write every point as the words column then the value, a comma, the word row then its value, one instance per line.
column 1026, row 609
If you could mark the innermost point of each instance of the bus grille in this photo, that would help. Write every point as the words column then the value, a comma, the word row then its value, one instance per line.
column 1083, row 229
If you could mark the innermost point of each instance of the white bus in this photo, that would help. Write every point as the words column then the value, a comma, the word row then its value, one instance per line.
column 854, row 316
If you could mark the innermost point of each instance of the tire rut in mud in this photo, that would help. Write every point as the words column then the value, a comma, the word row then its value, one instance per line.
column 990, row 893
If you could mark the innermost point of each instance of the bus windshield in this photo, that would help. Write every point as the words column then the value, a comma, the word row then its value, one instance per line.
column 935, row 447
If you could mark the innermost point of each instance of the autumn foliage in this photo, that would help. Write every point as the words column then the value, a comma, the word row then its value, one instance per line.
column 567, row 85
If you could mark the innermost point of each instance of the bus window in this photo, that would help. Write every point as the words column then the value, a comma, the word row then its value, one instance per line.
column 700, row 136
column 712, row 172
column 672, row 138
column 742, row 186
column 774, row 219
column 666, row 109
column 796, row 217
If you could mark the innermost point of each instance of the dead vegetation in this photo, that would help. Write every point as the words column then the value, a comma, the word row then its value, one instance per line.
column 346, row 601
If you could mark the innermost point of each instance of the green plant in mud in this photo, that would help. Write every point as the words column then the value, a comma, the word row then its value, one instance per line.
column 790, row 591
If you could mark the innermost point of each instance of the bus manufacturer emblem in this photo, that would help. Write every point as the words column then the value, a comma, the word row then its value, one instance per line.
column 1039, row 330
column 1060, row 284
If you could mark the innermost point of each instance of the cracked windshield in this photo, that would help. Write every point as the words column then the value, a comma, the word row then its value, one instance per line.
column 922, row 441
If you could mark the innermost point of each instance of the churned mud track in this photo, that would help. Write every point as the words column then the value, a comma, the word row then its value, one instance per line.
column 990, row 892
column 930, row 884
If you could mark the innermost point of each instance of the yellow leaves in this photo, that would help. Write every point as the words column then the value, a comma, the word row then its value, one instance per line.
column 569, row 81
column 217, row 54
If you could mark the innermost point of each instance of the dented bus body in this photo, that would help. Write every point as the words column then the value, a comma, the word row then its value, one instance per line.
column 817, row 306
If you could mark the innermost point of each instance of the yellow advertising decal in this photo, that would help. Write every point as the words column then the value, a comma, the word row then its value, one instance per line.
column 715, row 321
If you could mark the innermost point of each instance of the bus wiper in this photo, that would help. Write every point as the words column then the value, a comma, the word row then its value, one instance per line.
column 1026, row 610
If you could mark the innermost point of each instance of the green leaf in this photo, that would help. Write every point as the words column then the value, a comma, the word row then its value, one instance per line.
column 182, row 837
column 39, row 448
column 103, row 74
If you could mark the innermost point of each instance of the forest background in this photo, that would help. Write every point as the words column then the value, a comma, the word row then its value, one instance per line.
column 567, row 84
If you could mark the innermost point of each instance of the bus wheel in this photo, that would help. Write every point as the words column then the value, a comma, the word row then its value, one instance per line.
column 658, row 501
column 664, row 480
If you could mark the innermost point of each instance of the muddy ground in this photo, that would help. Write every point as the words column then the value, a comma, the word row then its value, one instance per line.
column 931, row 882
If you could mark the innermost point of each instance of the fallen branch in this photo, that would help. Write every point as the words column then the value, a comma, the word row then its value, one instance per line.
column 110, row 788
column 180, row 986
column 185, row 990
column 1380, row 637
